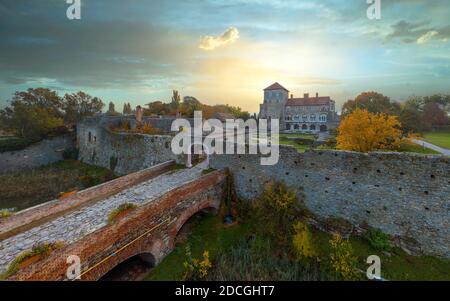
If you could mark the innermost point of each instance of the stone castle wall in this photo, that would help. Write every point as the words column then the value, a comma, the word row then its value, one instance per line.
column 404, row 195
column 122, row 152
column 41, row 153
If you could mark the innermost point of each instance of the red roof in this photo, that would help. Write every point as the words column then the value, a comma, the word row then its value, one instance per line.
column 311, row 101
column 276, row 86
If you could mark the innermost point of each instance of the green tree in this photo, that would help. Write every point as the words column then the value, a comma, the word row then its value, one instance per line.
column 434, row 117
column 127, row 109
column 411, row 118
column 79, row 105
column 176, row 100
column 111, row 108
column 33, row 113
column 373, row 102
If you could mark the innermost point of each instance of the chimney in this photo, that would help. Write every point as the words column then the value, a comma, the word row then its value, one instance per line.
column 317, row 94
column 292, row 96
column 306, row 95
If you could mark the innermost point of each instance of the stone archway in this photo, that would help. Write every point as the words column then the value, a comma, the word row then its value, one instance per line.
column 323, row 128
column 192, row 158
column 130, row 269
column 211, row 206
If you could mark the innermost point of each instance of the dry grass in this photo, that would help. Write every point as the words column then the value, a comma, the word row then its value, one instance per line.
column 28, row 188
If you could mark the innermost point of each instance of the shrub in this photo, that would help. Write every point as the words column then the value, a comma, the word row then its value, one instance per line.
column 342, row 260
column 276, row 209
column 15, row 143
column 148, row 129
column 122, row 208
column 303, row 241
column 378, row 240
column 196, row 269
column 4, row 213
column 70, row 153
column 41, row 250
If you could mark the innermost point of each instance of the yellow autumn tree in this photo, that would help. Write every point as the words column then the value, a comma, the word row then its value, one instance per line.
column 363, row 131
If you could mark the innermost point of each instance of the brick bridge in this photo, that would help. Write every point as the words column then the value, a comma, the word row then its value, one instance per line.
column 166, row 199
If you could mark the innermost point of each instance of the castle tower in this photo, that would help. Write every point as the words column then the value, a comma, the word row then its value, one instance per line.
column 275, row 98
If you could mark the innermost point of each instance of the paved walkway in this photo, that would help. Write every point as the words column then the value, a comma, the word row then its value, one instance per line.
column 439, row 149
column 74, row 226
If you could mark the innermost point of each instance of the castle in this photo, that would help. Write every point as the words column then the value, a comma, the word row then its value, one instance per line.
column 307, row 114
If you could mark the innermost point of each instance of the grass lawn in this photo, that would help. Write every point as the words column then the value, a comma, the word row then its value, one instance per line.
column 415, row 148
column 439, row 138
column 31, row 187
column 297, row 135
column 208, row 233
column 299, row 147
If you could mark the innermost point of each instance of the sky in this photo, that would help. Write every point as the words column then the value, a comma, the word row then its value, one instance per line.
column 224, row 51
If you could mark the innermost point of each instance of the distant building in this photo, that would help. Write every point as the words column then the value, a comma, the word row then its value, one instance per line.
column 307, row 114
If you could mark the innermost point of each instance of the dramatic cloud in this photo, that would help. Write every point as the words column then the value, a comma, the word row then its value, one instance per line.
column 140, row 51
column 426, row 37
column 211, row 42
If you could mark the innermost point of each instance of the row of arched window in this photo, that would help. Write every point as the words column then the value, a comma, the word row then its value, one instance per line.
column 312, row 117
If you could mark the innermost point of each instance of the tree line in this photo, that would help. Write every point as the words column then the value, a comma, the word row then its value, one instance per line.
column 40, row 112
column 416, row 114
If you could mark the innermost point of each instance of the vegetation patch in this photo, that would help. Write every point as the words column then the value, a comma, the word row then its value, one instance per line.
column 120, row 211
column 276, row 243
column 9, row 144
column 28, row 188
column 29, row 257
column 378, row 240
column 208, row 170
column 440, row 138
column 4, row 213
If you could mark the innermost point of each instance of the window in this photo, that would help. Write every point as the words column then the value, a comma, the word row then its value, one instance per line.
column 90, row 137
column 312, row 117
column 305, row 117
column 323, row 118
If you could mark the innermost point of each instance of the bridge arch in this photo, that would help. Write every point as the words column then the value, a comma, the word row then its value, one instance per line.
column 208, row 206
column 128, row 268
column 148, row 251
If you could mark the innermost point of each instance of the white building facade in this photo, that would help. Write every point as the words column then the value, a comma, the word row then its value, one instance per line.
column 305, row 115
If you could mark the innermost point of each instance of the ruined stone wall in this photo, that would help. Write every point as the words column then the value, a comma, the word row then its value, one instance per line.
column 41, row 153
column 122, row 152
column 405, row 195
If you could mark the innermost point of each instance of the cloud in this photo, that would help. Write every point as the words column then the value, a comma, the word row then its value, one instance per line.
column 230, row 36
column 418, row 32
column 426, row 37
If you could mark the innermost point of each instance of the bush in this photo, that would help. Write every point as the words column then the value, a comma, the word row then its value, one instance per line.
column 303, row 241
column 122, row 208
column 275, row 211
column 42, row 250
column 342, row 260
column 15, row 143
column 196, row 269
column 4, row 213
column 70, row 153
column 378, row 240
